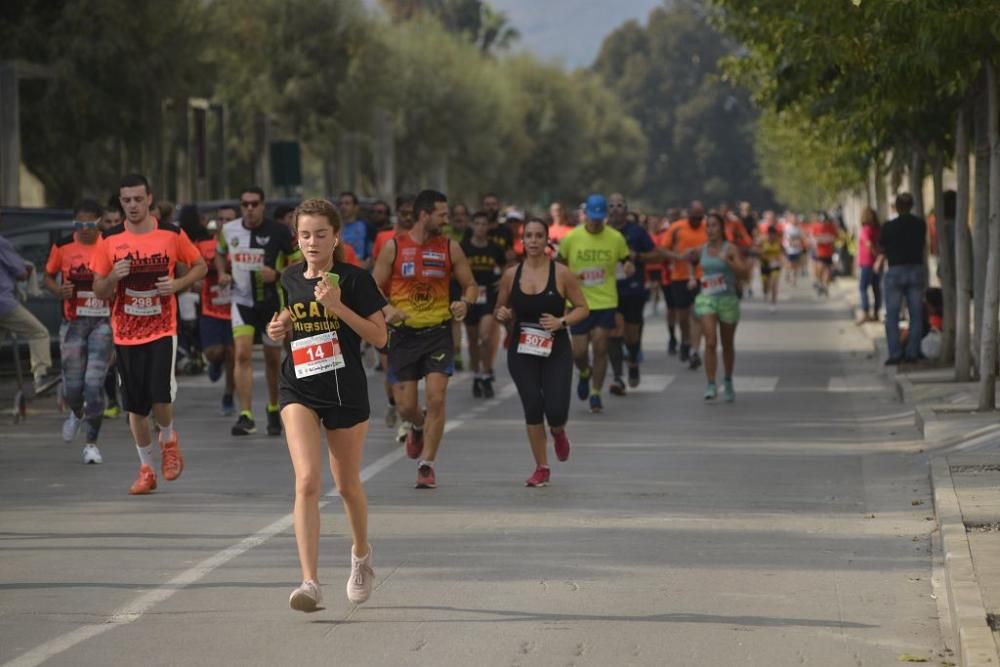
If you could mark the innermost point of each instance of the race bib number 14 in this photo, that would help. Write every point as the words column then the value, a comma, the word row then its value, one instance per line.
column 317, row 354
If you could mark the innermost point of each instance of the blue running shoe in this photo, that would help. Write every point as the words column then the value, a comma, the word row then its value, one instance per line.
column 583, row 386
column 595, row 403
column 214, row 371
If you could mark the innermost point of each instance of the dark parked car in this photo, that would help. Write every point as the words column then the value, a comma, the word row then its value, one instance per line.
column 33, row 242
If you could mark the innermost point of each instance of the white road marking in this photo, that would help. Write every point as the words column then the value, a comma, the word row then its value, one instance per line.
column 142, row 604
column 755, row 383
column 652, row 384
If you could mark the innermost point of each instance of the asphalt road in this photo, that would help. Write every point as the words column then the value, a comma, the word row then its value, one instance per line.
column 788, row 528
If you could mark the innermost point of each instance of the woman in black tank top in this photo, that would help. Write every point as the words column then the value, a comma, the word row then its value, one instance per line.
column 532, row 300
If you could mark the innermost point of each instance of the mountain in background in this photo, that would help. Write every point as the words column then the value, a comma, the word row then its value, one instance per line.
column 570, row 31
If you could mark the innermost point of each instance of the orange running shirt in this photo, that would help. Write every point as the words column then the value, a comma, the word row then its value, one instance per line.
column 682, row 237
column 74, row 261
column 737, row 234
column 215, row 298
column 139, row 314
column 825, row 235
column 420, row 280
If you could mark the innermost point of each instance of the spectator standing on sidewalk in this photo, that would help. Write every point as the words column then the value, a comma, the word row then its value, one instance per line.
column 17, row 319
column 903, row 243
column 871, row 266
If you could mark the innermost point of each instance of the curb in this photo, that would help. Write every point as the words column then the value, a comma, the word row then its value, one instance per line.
column 976, row 646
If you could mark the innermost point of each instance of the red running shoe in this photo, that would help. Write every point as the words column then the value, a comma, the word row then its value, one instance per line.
column 540, row 478
column 414, row 443
column 172, row 463
column 145, row 483
column 425, row 477
column 561, row 445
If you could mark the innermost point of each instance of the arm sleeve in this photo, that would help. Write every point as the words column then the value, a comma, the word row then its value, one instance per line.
column 186, row 251
column 365, row 296
column 54, row 264
column 10, row 261
column 101, row 262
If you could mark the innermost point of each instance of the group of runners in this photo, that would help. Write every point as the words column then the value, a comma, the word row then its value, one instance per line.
column 323, row 292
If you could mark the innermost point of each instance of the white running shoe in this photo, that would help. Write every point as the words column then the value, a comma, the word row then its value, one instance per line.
column 306, row 597
column 403, row 430
column 91, row 454
column 359, row 586
column 71, row 427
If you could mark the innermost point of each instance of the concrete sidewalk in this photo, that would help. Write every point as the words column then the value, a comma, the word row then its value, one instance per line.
column 964, row 456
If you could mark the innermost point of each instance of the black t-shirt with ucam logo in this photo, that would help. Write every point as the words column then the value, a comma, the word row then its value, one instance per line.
column 324, row 369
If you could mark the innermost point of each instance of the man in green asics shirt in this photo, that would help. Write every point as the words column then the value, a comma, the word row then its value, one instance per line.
column 598, row 255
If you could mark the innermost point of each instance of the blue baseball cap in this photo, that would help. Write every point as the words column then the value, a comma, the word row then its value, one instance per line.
column 597, row 207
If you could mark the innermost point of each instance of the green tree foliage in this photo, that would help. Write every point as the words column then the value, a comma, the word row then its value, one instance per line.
column 112, row 63
column 476, row 20
column 804, row 170
column 699, row 128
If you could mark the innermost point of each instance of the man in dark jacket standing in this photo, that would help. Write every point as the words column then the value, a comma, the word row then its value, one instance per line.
column 903, row 243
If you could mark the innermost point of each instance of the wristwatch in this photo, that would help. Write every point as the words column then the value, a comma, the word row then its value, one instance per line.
column 562, row 321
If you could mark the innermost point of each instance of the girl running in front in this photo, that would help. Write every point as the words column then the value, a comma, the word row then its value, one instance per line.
column 331, row 307
column 718, row 305
column 532, row 296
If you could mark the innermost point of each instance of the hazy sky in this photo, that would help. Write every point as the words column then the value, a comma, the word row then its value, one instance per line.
column 571, row 30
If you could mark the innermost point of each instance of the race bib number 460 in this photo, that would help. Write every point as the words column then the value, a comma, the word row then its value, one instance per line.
column 534, row 341
column 142, row 303
column 88, row 305
column 317, row 354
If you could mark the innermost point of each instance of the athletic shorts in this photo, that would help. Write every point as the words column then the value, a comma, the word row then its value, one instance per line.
column 332, row 418
column 146, row 374
column 598, row 319
column 252, row 321
column 826, row 261
column 668, row 296
column 793, row 256
column 724, row 306
column 631, row 307
column 683, row 296
column 214, row 332
column 477, row 311
column 766, row 270
column 415, row 353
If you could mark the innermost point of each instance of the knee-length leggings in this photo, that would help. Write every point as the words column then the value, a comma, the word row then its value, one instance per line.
column 543, row 382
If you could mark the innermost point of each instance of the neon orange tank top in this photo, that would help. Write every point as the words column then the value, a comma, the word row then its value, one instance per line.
column 420, row 279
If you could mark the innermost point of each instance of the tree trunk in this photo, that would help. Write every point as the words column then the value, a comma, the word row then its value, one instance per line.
column 917, row 180
column 963, row 251
column 980, row 224
column 991, row 310
column 880, row 203
column 946, row 261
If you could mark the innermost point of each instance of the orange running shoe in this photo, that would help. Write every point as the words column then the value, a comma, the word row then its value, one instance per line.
column 172, row 463
column 145, row 483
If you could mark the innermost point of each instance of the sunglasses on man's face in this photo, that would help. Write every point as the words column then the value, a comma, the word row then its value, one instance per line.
column 85, row 224
column 250, row 204
column 616, row 205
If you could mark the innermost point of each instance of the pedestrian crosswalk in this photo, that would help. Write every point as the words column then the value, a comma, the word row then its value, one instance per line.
column 762, row 384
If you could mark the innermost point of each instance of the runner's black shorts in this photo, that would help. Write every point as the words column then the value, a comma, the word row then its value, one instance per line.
column 332, row 417
column 146, row 374
column 683, row 297
column 668, row 296
column 414, row 353
column 631, row 307
column 477, row 311
column 253, row 321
